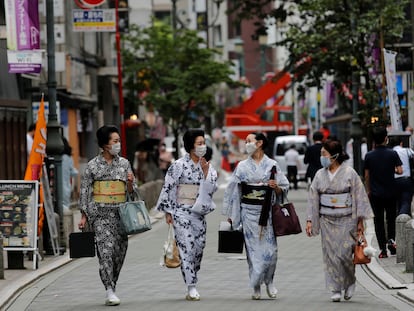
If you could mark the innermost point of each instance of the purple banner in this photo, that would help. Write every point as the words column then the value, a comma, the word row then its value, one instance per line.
column 27, row 24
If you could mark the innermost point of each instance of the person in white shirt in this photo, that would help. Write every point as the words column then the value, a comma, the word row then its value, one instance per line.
column 292, row 160
column 29, row 138
column 403, row 182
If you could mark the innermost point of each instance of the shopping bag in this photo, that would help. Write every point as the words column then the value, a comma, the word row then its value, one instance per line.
column 229, row 240
column 134, row 216
column 284, row 219
column 170, row 257
column 82, row 244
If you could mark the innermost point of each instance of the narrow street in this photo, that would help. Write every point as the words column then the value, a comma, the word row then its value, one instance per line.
column 223, row 279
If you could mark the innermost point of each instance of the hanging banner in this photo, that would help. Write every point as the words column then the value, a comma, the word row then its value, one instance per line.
column 22, row 24
column 38, row 152
column 394, row 104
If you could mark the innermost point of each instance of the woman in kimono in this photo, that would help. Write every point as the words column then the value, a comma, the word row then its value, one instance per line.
column 243, row 200
column 186, row 197
column 338, row 205
column 103, row 188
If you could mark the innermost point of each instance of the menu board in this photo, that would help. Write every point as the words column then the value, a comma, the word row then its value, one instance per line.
column 18, row 213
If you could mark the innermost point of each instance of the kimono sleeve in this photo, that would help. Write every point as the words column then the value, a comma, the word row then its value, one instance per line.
column 167, row 201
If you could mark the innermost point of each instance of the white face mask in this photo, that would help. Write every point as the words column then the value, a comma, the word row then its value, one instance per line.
column 200, row 151
column 115, row 149
column 250, row 148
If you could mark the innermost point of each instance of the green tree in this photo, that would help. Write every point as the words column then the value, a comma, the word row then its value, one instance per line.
column 341, row 37
column 175, row 70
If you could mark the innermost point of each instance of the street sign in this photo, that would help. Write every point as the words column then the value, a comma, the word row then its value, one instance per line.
column 94, row 20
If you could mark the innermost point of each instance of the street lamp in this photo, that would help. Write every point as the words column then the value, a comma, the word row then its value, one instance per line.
column 54, row 143
column 238, row 48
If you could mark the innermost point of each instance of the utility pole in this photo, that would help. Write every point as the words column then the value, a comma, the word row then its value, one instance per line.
column 356, row 132
column 54, row 143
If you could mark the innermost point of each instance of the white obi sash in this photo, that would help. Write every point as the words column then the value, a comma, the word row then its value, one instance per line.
column 187, row 194
column 336, row 200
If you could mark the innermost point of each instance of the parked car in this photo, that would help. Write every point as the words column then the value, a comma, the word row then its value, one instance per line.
column 282, row 143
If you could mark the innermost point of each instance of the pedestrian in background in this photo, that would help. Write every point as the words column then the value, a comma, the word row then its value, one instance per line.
column 242, row 204
column 312, row 156
column 403, row 183
column 292, row 161
column 103, row 188
column 68, row 172
column 185, row 198
column 29, row 138
column 380, row 166
column 338, row 205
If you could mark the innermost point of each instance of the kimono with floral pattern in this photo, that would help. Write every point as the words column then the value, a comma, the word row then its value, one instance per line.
column 261, row 252
column 189, row 226
column 111, row 240
column 335, row 228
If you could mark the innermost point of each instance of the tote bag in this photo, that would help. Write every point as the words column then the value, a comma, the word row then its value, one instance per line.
column 82, row 244
column 229, row 240
column 171, row 255
column 284, row 219
column 134, row 216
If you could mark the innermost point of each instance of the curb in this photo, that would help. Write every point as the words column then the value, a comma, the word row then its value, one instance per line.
column 15, row 286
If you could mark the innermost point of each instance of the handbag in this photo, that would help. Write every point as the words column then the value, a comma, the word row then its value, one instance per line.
column 134, row 215
column 229, row 240
column 82, row 244
column 171, row 255
column 284, row 219
column 360, row 243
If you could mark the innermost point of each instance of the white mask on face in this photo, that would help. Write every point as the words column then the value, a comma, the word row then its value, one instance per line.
column 115, row 149
column 250, row 148
column 200, row 151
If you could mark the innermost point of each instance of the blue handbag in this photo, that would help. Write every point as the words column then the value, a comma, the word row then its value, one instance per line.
column 134, row 216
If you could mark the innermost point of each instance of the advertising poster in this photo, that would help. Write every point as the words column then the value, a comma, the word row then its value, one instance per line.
column 18, row 213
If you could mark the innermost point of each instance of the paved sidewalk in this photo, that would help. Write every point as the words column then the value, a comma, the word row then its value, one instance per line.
column 387, row 271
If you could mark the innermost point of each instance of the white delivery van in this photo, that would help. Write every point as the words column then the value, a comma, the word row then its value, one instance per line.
column 282, row 143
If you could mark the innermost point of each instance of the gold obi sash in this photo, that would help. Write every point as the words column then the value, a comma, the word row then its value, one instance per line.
column 109, row 191
column 187, row 194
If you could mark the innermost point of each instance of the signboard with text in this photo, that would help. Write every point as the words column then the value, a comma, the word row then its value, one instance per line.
column 94, row 20
column 18, row 213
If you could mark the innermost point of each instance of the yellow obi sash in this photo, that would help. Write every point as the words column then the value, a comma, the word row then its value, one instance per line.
column 109, row 191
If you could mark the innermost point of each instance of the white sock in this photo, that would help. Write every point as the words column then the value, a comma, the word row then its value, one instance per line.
column 192, row 291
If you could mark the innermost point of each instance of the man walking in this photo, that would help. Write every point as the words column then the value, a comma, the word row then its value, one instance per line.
column 380, row 166
column 292, row 161
column 313, row 156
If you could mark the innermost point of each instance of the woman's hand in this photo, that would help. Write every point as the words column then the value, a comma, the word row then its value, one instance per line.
column 309, row 228
column 130, row 179
column 204, row 166
column 168, row 219
column 360, row 226
column 82, row 222
column 274, row 186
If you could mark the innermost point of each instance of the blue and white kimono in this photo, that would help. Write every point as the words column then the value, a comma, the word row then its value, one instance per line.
column 261, row 252
column 189, row 223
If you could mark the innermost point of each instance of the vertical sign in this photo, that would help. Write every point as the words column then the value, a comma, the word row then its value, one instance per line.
column 23, row 36
column 390, row 73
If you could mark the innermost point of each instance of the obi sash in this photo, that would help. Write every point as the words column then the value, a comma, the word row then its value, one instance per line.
column 187, row 194
column 336, row 200
column 253, row 194
column 109, row 191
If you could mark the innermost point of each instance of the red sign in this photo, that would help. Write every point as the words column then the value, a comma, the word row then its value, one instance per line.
column 89, row 4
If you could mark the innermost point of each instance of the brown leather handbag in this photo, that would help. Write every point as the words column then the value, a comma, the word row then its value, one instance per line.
column 360, row 244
